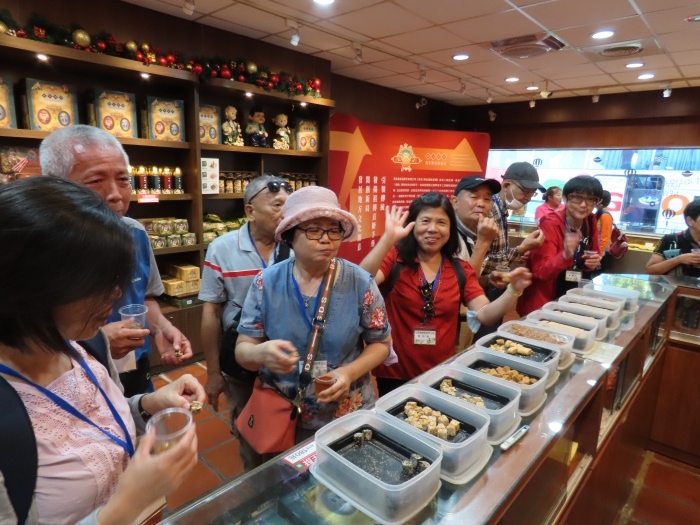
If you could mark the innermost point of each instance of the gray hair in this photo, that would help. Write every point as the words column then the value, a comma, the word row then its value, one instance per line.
column 257, row 184
column 57, row 151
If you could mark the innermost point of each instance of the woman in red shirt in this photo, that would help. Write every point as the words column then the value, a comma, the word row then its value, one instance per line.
column 560, row 262
column 552, row 203
column 423, row 302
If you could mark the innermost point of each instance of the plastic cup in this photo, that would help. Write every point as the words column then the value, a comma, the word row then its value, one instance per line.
column 504, row 278
column 136, row 313
column 323, row 382
column 170, row 424
column 589, row 253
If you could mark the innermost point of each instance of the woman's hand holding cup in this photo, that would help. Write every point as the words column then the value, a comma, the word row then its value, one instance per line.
column 591, row 259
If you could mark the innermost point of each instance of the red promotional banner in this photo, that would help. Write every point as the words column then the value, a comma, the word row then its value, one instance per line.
column 372, row 166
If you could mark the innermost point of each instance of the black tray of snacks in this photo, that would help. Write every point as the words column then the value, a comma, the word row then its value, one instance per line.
column 459, row 434
column 490, row 400
column 482, row 364
column 539, row 355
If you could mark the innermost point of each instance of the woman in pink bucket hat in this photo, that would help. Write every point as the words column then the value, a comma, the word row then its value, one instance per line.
column 282, row 301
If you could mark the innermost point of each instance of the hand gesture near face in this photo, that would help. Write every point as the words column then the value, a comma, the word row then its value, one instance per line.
column 394, row 227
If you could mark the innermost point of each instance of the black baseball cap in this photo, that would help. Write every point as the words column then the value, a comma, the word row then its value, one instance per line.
column 526, row 174
column 472, row 181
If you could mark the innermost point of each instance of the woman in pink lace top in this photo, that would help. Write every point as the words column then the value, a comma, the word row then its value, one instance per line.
column 64, row 259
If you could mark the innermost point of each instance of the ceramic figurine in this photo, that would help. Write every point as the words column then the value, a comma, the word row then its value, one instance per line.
column 232, row 129
column 281, row 140
column 255, row 129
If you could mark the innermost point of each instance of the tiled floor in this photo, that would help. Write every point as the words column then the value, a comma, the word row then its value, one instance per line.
column 665, row 492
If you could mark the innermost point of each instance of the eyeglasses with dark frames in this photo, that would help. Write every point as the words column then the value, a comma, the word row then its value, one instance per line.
column 426, row 291
column 316, row 234
column 273, row 186
column 576, row 198
column 526, row 192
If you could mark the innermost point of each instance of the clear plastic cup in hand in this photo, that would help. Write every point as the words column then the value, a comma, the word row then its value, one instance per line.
column 323, row 382
column 589, row 253
column 135, row 314
column 170, row 424
column 501, row 278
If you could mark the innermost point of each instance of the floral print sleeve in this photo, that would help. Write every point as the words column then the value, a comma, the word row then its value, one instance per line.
column 252, row 316
column 374, row 319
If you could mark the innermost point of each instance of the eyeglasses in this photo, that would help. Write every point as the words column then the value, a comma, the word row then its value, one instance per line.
column 426, row 291
column 527, row 193
column 316, row 234
column 576, row 198
column 273, row 186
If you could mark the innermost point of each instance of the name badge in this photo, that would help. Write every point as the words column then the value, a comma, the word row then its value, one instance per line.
column 573, row 276
column 319, row 368
column 425, row 336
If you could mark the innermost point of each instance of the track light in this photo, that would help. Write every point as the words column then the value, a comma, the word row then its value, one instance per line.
column 595, row 98
column 358, row 59
column 533, row 103
column 489, row 98
column 422, row 76
column 492, row 116
column 667, row 92
column 462, row 88
column 422, row 102
column 294, row 40
column 188, row 7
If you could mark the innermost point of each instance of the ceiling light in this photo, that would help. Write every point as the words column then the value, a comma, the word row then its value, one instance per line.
column 600, row 35
column 532, row 103
column 645, row 76
column 358, row 58
column 302, row 104
column 423, row 75
column 42, row 57
column 595, row 99
column 248, row 94
column 512, row 79
column 324, row 2
column 667, row 92
column 461, row 56
column 188, row 7
column 462, row 88
column 695, row 18
column 489, row 98
column 295, row 38
column 634, row 65
column 145, row 75
column 532, row 88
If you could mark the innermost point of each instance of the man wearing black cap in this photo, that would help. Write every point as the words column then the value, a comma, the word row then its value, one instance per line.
column 472, row 201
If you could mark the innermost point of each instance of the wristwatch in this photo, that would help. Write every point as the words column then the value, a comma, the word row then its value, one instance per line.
column 144, row 415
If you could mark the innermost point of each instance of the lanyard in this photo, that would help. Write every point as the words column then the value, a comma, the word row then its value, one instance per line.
column 300, row 299
column 584, row 239
column 264, row 263
column 126, row 444
column 504, row 218
column 433, row 287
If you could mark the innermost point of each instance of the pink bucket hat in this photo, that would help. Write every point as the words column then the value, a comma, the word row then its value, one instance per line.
column 315, row 202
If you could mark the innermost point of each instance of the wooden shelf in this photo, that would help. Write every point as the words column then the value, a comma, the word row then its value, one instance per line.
column 41, row 135
column 259, row 151
column 219, row 84
column 167, row 197
column 222, row 196
column 179, row 249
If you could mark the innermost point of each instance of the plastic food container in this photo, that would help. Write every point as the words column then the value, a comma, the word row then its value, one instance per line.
column 615, row 310
column 532, row 396
column 631, row 297
column 544, row 354
column 385, row 501
column 584, row 332
column 463, row 455
column 584, row 313
column 501, row 399
column 521, row 331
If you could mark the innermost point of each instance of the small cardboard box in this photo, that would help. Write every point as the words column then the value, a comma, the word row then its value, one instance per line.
column 8, row 117
column 49, row 105
column 184, row 272
column 306, row 135
column 192, row 286
column 165, row 119
column 209, row 125
column 210, row 175
column 174, row 286
column 114, row 112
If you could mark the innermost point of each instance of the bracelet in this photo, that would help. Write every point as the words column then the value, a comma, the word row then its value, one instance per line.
column 144, row 415
column 512, row 291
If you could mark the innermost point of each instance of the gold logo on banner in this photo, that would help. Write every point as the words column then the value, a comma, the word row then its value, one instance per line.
column 405, row 157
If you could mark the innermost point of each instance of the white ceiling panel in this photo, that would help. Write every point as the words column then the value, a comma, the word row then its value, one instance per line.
column 487, row 28
column 232, row 27
column 586, row 82
column 425, row 40
column 452, row 10
column 629, row 28
column 573, row 13
column 252, row 17
column 374, row 20
column 673, row 20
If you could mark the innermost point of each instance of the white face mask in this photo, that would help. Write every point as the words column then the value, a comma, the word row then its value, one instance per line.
column 514, row 204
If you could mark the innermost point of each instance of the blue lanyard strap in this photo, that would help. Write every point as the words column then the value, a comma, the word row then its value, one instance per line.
column 263, row 261
column 126, row 444
column 300, row 299
column 435, row 281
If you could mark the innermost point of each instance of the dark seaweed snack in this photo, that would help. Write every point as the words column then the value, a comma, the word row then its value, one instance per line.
column 422, row 465
column 408, row 468
column 367, row 433
column 358, row 438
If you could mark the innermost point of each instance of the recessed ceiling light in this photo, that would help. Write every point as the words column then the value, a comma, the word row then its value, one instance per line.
column 512, row 79
column 460, row 56
column 145, row 75
column 42, row 56
column 302, row 104
column 600, row 35
column 695, row 18
column 248, row 94
column 645, row 76
column 532, row 88
column 324, row 2
column 634, row 65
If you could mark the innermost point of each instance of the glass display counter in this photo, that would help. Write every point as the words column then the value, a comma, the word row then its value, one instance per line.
column 529, row 483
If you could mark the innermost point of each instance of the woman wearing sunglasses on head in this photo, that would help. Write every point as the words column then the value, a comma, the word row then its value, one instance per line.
column 67, row 434
column 422, row 277
column 282, row 309
column 570, row 250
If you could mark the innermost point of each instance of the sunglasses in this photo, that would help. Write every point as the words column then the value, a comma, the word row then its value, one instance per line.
column 273, row 186
column 426, row 291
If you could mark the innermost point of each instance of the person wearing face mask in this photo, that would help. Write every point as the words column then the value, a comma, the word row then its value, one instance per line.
column 570, row 251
